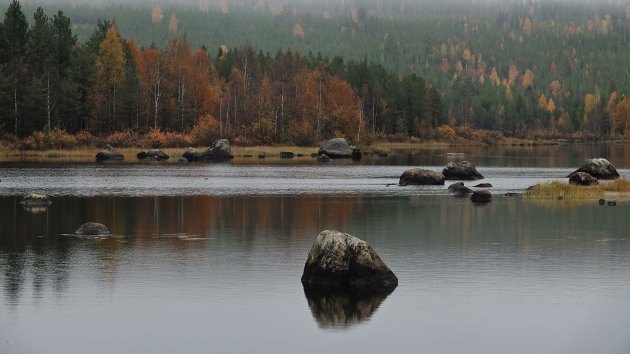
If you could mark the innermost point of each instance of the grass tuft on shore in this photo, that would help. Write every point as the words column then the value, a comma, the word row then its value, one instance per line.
column 619, row 188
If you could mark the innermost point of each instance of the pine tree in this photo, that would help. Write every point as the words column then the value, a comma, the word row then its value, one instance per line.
column 15, row 30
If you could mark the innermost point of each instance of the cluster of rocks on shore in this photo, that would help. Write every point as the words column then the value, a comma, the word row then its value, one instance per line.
column 221, row 151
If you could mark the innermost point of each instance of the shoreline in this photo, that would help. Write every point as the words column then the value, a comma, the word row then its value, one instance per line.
column 88, row 153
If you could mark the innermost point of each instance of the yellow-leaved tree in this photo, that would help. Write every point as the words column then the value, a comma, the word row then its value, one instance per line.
column 156, row 14
column 590, row 102
column 110, row 71
column 611, row 108
column 622, row 115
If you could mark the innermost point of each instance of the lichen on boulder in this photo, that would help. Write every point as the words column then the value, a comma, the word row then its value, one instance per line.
column 421, row 177
column 339, row 261
column 599, row 168
column 462, row 170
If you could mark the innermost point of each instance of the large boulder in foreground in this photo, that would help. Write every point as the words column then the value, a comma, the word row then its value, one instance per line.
column 583, row 179
column 109, row 154
column 598, row 168
column 92, row 229
column 338, row 261
column 339, row 148
column 462, row 170
column 420, row 177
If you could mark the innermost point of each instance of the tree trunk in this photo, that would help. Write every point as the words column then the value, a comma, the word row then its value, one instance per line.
column 48, row 100
column 15, row 109
column 114, row 109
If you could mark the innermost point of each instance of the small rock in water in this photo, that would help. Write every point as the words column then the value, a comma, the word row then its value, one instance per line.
column 35, row 199
column 323, row 158
column 92, row 229
column 286, row 155
column 481, row 197
column 611, row 203
column 601, row 201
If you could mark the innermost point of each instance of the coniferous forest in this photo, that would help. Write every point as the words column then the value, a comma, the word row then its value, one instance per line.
column 265, row 72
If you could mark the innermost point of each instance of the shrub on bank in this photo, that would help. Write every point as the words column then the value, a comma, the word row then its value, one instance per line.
column 85, row 139
column 43, row 140
column 123, row 138
column 155, row 138
column 205, row 132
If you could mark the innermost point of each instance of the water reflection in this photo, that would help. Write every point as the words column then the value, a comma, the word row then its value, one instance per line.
column 344, row 309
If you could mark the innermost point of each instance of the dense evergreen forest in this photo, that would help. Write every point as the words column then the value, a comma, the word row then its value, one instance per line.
column 268, row 72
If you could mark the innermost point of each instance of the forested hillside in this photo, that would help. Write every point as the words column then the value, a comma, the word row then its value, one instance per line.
column 267, row 72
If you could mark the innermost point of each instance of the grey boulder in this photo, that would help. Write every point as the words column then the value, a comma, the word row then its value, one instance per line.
column 153, row 154
column 482, row 196
column 420, row 177
column 220, row 151
column 463, row 170
column 599, row 168
column 583, row 179
column 109, row 154
column 339, row 148
column 459, row 189
column 338, row 261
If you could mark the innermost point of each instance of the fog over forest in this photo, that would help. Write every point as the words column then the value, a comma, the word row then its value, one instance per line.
column 334, row 7
column 413, row 68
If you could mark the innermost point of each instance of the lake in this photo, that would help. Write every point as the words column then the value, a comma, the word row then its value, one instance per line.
column 207, row 258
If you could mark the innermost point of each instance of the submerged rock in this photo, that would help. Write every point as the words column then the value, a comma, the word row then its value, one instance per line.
column 583, row 179
column 338, row 261
column 483, row 185
column 420, row 177
column 599, row 168
column 323, row 158
column 462, row 170
column 153, row 154
column 481, row 197
column 109, row 154
column 459, row 189
column 92, row 229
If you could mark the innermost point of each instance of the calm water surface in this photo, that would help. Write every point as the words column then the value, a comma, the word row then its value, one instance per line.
column 207, row 259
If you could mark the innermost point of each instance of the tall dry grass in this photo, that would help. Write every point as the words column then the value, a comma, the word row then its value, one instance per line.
column 619, row 188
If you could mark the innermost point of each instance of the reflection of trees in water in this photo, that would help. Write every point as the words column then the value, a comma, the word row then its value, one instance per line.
column 36, row 246
column 13, row 264
column 343, row 309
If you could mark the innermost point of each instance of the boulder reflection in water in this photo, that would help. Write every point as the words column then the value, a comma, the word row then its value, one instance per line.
column 343, row 309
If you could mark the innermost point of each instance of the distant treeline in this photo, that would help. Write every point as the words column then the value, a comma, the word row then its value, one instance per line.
column 523, row 68
column 110, row 84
